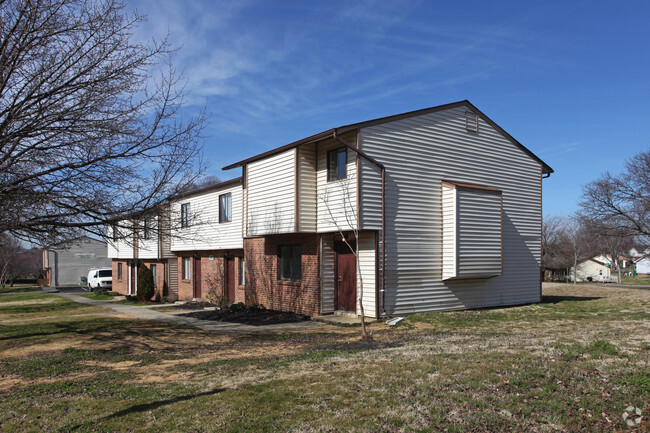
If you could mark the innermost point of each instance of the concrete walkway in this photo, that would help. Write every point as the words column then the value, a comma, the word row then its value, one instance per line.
column 226, row 328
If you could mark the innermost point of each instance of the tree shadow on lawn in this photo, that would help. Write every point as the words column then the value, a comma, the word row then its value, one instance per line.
column 145, row 407
column 558, row 299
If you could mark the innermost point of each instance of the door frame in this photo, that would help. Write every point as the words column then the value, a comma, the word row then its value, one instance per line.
column 227, row 274
column 337, row 246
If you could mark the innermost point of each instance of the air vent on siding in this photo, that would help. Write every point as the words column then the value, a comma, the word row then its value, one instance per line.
column 471, row 121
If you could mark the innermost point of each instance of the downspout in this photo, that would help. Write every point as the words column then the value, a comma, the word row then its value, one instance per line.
column 383, row 213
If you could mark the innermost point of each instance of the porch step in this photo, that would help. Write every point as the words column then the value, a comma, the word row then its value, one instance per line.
column 345, row 314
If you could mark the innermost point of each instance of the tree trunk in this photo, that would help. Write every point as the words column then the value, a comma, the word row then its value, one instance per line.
column 575, row 269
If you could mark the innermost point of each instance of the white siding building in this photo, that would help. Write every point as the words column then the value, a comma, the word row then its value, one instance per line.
column 443, row 205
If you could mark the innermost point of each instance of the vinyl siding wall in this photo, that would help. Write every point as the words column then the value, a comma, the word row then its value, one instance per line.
column 307, row 200
column 205, row 231
column 148, row 248
column 122, row 248
column 327, row 274
column 421, row 151
column 368, row 265
column 272, row 194
column 337, row 200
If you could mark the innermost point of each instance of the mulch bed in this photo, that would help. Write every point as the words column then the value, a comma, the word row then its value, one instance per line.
column 255, row 318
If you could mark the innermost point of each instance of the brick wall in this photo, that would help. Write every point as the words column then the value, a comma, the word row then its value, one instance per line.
column 213, row 283
column 121, row 286
column 262, row 283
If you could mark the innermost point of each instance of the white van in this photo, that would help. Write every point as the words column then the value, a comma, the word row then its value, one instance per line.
column 100, row 278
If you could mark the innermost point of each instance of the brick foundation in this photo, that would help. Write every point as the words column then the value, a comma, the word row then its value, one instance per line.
column 263, row 285
column 121, row 286
column 213, row 283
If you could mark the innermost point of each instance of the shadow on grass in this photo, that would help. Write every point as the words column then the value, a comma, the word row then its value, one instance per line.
column 558, row 299
column 151, row 406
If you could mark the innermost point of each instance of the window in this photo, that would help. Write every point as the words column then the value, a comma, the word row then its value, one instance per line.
column 185, row 215
column 147, row 228
column 153, row 272
column 114, row 232
column 119, row 271
column 225, row 214
column 242, row 272
column 337, row 161
column 289, row 265
column 187, row 268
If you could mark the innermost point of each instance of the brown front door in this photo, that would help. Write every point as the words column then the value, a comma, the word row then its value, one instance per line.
column 230, row 278
column 345, row 279
column 197, row 277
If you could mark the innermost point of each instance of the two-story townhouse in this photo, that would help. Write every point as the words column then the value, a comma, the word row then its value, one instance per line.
column 443, row 206
column 206, row 239
column 143, row 241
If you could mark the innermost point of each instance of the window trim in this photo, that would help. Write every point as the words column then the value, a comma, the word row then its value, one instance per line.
column 225, row 218
column 186, row 276
column 333, row 172
column 120, row 273
column 292, row 277
column 242, row 272
column 146, row 228
column 185, row 214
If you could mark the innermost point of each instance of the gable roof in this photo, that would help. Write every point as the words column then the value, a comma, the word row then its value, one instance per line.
column 546, row 169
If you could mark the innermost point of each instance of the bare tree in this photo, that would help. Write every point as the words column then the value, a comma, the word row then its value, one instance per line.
column 621, row 202
column 552, row 242
column 10, row 249
column 351, row 225
column 578, row 243
column 87, row 133
column 611, row 242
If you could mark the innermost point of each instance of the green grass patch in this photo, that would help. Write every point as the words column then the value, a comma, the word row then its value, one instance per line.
column 97, row 297
column 18, row 288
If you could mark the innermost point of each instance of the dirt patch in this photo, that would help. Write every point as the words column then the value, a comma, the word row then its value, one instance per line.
column 39, row 301
column 254, row 317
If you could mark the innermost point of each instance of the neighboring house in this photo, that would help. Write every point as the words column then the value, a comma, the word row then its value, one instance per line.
column 643, row 265
column 446, row 204
column 443, row 205
column 136, row 242
column 638, row 251
column 208, row 243
column 65, row 264
column 193, row 246
column 597, row 268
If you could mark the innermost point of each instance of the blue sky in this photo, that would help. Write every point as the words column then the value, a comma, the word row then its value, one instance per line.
column 569, row 79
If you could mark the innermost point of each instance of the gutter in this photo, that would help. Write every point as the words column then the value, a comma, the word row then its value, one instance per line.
column 383, row 213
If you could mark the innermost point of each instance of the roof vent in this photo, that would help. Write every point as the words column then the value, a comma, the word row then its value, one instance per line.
column 471, row 121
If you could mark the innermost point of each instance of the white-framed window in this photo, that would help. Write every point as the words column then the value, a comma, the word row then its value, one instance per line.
column 119, row 271
column 153, row 272
column 185, row 215
column 146, row 231
column 187, row 268
column 242, row 272
column 289, row 263
column 225, row 208
column 337, row 164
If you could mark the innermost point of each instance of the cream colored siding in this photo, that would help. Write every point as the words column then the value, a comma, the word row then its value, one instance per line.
column 122, row 248
column 368, row 268
column 421, row 151
column 449, row 268
column 205, row 231
column 307, row 201
column 337, row 199
column 271, row 195
column 327, row 277
column 148, row 248
column 478, row 219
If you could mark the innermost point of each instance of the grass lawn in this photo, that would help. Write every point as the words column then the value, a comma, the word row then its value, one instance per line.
column 96, row 297
column 571, row 363
column 641, row 279
column 19, row 287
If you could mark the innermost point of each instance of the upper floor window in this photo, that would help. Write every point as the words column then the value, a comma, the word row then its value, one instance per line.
column 337, row 161
column 225, row 208
column 147, row 228
column 185, row 215
column 289, row 258
column 114, row 232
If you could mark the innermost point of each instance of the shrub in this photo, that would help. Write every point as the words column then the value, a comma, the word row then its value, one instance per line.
column 145, row 284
